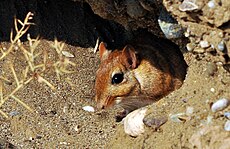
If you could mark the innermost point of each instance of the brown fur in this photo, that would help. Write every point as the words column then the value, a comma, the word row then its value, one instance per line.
column 150, row 72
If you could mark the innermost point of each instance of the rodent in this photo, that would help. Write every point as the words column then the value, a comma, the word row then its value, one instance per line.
column 138, row 74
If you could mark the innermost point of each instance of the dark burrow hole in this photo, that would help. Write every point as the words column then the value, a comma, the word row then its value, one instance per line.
column 74, row 23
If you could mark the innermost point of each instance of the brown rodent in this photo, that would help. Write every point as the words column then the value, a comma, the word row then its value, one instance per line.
column 139, row 74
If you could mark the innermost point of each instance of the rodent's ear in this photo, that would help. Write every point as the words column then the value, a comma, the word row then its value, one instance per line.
column 103, row 52
column 129, row 57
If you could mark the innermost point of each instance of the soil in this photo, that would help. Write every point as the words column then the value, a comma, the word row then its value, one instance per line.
column 59, row 120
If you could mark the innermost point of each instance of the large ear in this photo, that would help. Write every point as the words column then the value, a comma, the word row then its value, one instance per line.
column 129, row 57
column 103, row 52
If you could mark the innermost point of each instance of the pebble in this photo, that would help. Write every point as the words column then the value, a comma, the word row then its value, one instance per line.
column 227, row 125
column 211, row 68
column 212, row 89
column 199, row 50
column 220, row 104
column 154, row 122
column 188, row 5
column 133, row 122
column 169, row 25
column 67, row 54
column 170, row 30
column 221, row 46
column 190, row 47
column 14, row 113
column 227, row 115
column 211, row 4
column 204, row 44
column 189, row 111
column 88, row 108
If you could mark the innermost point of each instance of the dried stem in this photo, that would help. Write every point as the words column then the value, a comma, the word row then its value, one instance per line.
column 4, row 114
column 22, row 103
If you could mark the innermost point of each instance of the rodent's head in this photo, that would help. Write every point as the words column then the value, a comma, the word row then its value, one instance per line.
column 114, row 78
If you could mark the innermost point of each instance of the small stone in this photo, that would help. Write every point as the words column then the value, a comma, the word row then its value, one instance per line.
column 188, row 5
column 170, row 30
column 155, row 122
column 189, row 111
column 221, row 46
column 186, row 34
column 227, row 115
column 169, row 25
column 204, row 44
column 67, row 54
column 220, row 104
column 211, row 4
column 227, row 125
column 212, row 90
column 190, row 47
column 88, row 108
column 211, row 68
column 199, row 50
column 14, row 113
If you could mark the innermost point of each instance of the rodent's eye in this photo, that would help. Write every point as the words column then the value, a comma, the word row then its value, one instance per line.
column 117, row 78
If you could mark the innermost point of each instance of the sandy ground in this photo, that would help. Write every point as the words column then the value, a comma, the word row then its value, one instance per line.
column 60, row 121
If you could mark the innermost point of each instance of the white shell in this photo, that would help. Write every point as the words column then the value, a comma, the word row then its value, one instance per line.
column 175, row 117
column 67, row 54
column 227, row 126
column 133, row 122
column 220, row 105
column 88, row 108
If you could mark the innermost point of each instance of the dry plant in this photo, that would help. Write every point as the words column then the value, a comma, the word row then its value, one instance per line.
column 32, row 71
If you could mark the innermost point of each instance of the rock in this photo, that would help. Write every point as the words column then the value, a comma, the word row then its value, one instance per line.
column 227, row 125
column 211, row 4
column 88, row 108
column 199, row 50
column 188, row 5
column 155, row 122
column 221, row 46
column 169, row 25
column 190, row 47
column 220, row 104
column 227, row 115
column 204, row 44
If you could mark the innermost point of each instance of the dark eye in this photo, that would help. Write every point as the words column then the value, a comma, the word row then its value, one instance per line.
column 117, row 78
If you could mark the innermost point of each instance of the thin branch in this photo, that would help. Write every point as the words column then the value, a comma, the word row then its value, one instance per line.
column 4, row 114
column 22, row 103
column 15, row 76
